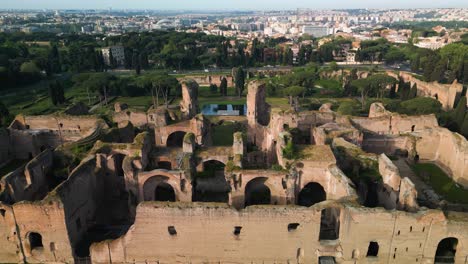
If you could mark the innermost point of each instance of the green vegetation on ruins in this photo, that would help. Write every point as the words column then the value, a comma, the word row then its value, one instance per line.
column 441, row 182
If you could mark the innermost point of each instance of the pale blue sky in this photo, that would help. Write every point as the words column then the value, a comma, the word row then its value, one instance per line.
column 227, row 4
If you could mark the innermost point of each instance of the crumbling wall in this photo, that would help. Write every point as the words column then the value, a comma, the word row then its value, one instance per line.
column 207, row 80
column 395, row 123
column 446, row 94
column 189, row 103
column 138, row 119
column 29, row 182
column 449, row 150
column 46, row 218
column 206, row 234
column 9, row 253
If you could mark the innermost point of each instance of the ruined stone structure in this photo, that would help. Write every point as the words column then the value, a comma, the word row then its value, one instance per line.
column 207, row 80
column 446, row 94
column 189, row 103
column 168, row 195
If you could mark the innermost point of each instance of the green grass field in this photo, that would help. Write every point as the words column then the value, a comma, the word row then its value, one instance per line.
column 441, row 182
column 223, row 135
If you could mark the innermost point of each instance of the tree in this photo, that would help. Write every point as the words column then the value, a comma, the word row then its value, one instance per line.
column 213, row 88
column 334, row 66
column 4, row 113
column 53, row 61
column 56, row 93
column 293, row 94
column 223, row 87
column 392, row 94
column 414, row 92
column 289, row 57
column 348, row 108
column 158, row 85
column 239, row 79
column 464, row 128
column 290, row 150
column 460, row 112
column 420, row 106
column 394, row 55
column 136, row 63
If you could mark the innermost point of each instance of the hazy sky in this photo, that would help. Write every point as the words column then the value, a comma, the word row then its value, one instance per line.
column 226, row 4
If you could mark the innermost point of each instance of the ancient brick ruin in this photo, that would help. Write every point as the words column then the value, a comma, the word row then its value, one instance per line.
column 165, row 193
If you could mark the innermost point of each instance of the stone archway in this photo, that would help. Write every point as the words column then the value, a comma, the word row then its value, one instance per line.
column 158, row 188
column 210, row 184
column 257, row 192
column 311, row 194
column 175, row 139
column 446, row 250
column 164, row 193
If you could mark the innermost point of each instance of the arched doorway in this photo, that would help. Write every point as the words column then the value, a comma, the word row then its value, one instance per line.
column 311, row 194
column 256, row 192
column 35, row 241
column 176, row 139
column 446, row 250
column 164, row 193
column 210, row 184
column 157, row 188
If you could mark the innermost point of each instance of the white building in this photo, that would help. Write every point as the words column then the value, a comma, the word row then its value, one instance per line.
column 316, row 31
column 118, row 54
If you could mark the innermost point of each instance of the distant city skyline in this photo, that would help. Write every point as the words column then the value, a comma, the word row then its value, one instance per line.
column 226, row 4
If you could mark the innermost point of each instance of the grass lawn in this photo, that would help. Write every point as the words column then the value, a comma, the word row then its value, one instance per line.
column 329, row 84
column 441, row 182
column 11, row 166
column 138, row 102
column 223, row 135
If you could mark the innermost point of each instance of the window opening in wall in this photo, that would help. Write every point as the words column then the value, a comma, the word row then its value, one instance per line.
column 35, row 240
column 398, row 233
column 394, row 255
column 330, row 224
column 412, row 128
column 2, row 212
column 424, row 228
column 172, row 231
column 411, row 229
column 52, row 246
column 311, row 194
column 446, row 250
column 237, row 230
column 327, row 260
column 292, row 226
column 373, row 249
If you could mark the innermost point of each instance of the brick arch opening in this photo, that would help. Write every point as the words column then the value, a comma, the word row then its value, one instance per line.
column 446, row 250
column 175, row 139
column 158, row 188
column 35, row 241
column 210, row 184
column 311, row 194
column 257, row 192
column 164, row 193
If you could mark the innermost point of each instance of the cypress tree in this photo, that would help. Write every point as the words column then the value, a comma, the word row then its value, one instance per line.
column 414, row 92
column 392, row 94
column 464, row 128
column 460, row 112
column 223, row 87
